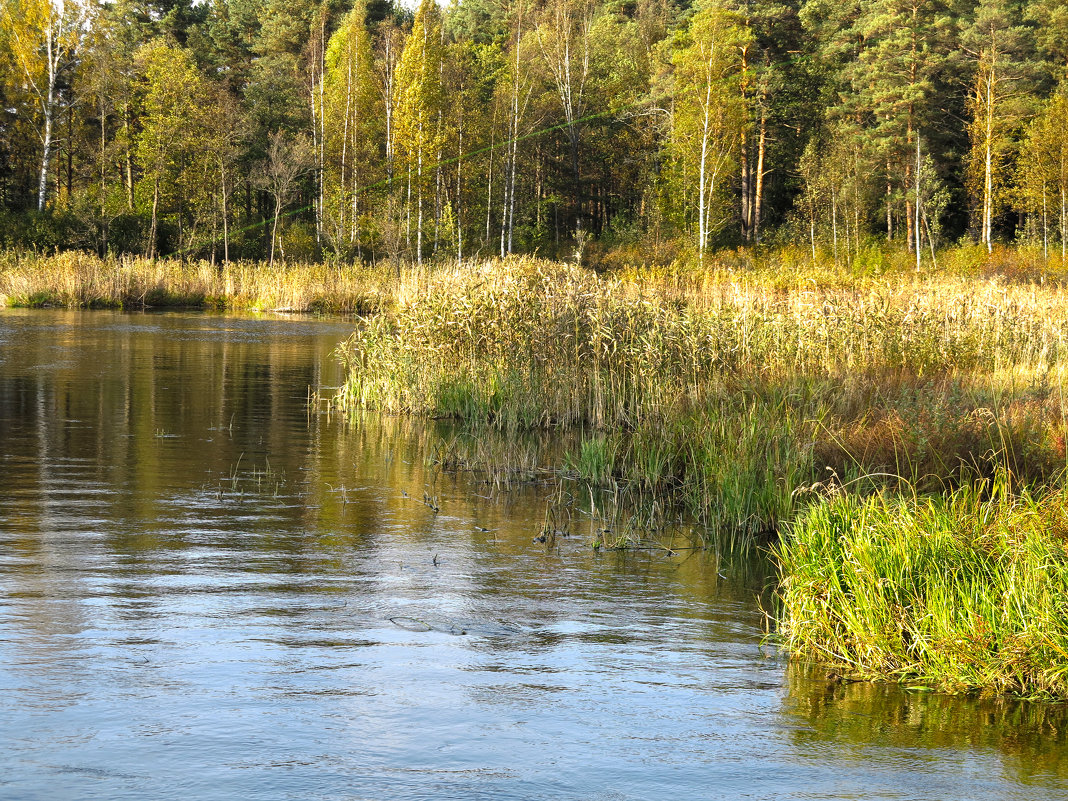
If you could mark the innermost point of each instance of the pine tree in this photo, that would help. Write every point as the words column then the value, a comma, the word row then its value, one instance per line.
column 896, row 82
column 1050, row 19
column 766, row 66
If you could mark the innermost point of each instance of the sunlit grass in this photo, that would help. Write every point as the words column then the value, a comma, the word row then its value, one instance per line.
column 726, row 390
column 78, row 280
column 966, row 592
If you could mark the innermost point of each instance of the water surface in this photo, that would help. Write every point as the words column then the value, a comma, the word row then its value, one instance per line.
column 208, row 591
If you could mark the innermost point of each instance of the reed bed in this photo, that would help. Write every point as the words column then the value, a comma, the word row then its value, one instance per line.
column 732, row 394
column 966, row 592
column 79, row 280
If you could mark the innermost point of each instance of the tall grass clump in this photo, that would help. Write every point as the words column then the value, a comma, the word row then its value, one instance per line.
column 733, row 386
column 963, row 592
column 529, row 343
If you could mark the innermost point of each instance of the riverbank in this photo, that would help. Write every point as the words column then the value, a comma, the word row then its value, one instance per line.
column 738, row 393
column 762, row 397
column 758, row 401
column 79, row 280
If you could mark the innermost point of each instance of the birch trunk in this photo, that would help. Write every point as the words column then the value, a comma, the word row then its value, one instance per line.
column 48, row 108
column 702, row 227
column 758, row 195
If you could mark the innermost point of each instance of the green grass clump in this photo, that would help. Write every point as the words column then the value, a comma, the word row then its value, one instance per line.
column 961, row 593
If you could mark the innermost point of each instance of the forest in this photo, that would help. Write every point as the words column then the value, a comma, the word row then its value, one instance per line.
column 334, row 130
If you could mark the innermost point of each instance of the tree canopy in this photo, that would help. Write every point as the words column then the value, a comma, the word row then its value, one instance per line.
column 497, row 126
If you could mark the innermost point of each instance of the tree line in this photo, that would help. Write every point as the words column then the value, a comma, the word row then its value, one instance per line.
column 361, row 129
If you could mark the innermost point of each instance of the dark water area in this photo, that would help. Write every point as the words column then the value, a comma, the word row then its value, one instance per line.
column 210, row 591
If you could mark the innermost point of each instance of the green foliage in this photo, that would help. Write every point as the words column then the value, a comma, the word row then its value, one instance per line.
column 1043, row 172
column 999, row 101
column 351, row 115
column 707, row 120
column 533, row 126
column 962, row 594
column 172, row 143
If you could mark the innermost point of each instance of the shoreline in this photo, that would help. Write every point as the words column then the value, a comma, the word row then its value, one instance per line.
column 77, row 280
column 749, row 404
column 755, row 399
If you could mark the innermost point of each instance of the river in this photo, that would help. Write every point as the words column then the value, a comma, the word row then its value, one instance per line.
column 209, row 590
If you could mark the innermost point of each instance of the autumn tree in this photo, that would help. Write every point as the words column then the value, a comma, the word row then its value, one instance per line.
column 1043, row 171
column 418, row 109
column 109, row 89
column 837, row 199
column 174, row 103
column 45, row 37
column 998, row 102
column 349, row 99
column 514, row 86
column 707, row 118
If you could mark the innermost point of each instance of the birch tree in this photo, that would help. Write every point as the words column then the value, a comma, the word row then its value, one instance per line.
column 707, row 116
column 998, row 103
column 518, row 85
column 418, row 114
column 1043, row 172
column 837, row 198
column 350, row 111
column 45, row 37
column 564, row 38
column 280, row 173
column 174, row 102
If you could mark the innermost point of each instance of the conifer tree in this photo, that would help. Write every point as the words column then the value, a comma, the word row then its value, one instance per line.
column 896, row 82
column 1050, row 19
column 765, row 66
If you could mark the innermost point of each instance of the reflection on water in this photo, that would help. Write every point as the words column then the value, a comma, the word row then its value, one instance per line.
column 208, row 592
column 1030, row 740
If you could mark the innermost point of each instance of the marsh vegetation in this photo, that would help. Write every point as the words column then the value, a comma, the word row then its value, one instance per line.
column 896, row 437
column 785, row 403
column 79, row 280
